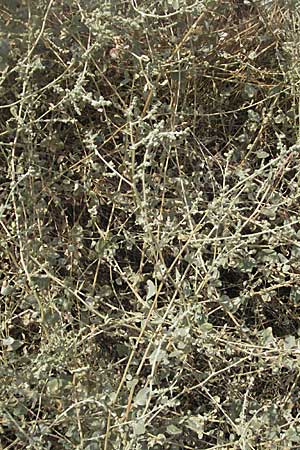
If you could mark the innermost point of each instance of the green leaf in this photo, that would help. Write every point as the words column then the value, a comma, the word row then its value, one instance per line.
column 206, row 327
column 142, row 396
column 151, row 289
column 173, row 430
column 174, row 3
column 267, row 337
column 139, row 427
column 196, row 424
column 6, row 289
column 261, row 154
column 12, row 344
column 157, row 356
column 250, row 90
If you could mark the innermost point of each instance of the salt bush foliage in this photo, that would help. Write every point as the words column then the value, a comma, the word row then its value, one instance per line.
column 149, row 186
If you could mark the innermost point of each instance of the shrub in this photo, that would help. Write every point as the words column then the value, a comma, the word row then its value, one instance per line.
column 149, row 225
